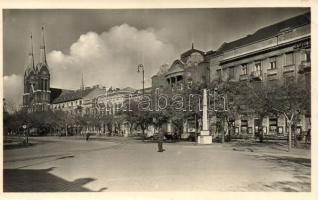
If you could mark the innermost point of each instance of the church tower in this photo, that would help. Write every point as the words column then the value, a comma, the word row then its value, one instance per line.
column 29, row 77
column 37, row 81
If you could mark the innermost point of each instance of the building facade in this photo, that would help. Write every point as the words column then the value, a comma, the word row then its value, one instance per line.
column 276, row 53
column 191, row 67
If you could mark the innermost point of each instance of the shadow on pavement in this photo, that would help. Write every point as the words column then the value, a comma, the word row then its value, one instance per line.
column 17, row 145
column 299, row 168
column 40, row 180
column 285, row 161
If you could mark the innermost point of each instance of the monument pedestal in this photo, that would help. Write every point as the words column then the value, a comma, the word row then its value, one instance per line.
column 204, row 138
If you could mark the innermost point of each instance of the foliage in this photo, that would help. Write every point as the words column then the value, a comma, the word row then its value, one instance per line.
column 289, row 99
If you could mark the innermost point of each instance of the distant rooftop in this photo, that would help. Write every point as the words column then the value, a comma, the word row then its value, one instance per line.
column 71, row 95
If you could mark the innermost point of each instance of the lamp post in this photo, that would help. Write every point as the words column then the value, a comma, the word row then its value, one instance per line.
column 140, row 67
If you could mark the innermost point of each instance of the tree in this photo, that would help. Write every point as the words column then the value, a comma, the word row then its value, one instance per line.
column 289, row 99
column 226, row 103
column 108, row 120
column 131, row 114
column 185, row 104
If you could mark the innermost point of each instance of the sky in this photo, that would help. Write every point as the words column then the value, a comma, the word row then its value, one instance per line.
column 107, row 45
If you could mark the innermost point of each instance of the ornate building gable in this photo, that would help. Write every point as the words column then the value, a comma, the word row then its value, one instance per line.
column 195, row 52
column 177, row 66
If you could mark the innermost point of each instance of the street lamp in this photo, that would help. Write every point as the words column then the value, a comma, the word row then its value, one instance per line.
column 140, row 67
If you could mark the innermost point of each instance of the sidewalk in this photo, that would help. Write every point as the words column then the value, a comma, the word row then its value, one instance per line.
column 273, row 149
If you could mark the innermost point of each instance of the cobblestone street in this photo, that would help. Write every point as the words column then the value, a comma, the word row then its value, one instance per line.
column 126, row 164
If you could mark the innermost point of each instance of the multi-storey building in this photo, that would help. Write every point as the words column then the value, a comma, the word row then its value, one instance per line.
column 279, row 52
column 192, row 67
column 75, row 101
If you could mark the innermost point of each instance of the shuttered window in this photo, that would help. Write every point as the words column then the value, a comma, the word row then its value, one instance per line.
column 289, row 59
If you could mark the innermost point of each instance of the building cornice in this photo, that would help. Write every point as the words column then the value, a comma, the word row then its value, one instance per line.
column 268, row 48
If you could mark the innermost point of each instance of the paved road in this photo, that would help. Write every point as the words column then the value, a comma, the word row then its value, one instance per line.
column 59, row 164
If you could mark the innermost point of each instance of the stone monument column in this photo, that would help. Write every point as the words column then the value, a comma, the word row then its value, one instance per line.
column 169, row 128
column 205, row 137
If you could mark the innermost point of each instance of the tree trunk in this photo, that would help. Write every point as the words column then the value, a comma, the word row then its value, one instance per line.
column 143, row 128
column 196, row 135
column 65, row 129
column 229, row 135
column 295, row 140
column 130, row 130
column 143, row 133
column 223, row 132
column 261, row 133
column 289, row 136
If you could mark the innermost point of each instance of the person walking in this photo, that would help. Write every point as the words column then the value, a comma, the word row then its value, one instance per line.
column 87, row 136
column 160, row 141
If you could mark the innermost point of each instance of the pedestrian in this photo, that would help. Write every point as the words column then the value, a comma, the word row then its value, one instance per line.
column 87, row 136
column 308, row 136
column 160, row 141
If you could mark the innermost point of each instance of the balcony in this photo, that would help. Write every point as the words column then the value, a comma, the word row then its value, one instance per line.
column 256, row 75
column 304, row 67
column 271, row 72
column 288, row 68
column 244, row 77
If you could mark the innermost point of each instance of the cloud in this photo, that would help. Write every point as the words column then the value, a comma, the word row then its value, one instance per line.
column 13, row 90
column 110, row 58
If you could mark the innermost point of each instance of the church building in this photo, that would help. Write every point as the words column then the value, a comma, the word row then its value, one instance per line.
column 36, row 96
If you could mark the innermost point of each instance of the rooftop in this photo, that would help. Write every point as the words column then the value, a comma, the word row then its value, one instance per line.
column 267, row 32
column 70, row 95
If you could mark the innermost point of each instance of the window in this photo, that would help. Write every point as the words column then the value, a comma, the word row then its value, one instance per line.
column 218, row 74
column 231, row 73
column 272, row 63
column 46, row 84
column 189, row 83
column 289, row 58
column 273, row 125
column 258, row 66
column 244, row 69
column 306, row 56
column 244, row 125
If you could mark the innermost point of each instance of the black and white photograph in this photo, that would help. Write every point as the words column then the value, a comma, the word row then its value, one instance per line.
column 157, row 100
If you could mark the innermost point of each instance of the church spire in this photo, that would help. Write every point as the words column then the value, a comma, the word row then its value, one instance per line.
column 31, row 57
column 192, row 45
column 82, row 83
column 42, row 49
